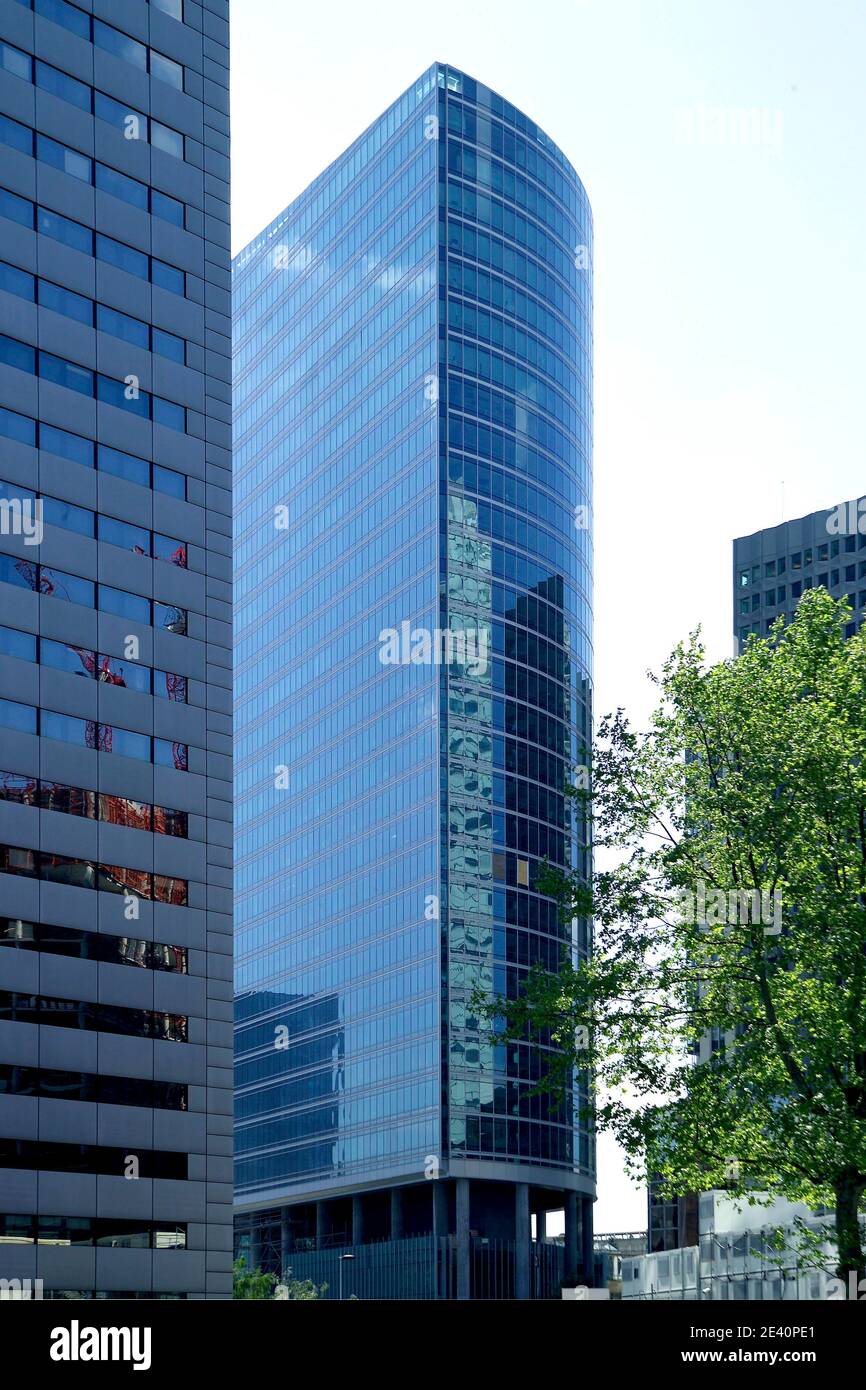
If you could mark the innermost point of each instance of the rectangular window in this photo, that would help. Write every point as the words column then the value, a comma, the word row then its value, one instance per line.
column 68, row 516
column 60, row 84
column 168, row 686
column 164, row 548
column 166, row 69
column 120, row 45
column 169, row 209
column 24, row 574
column 64, row 373
column 168, row 822
column 172, row 7
column 18, row 861
column 169, row 345
column 61, row 656
column 71, row 18
column 15, row 786
column 15, row 208
column 124, row 605
column 15, row 354
column 62, row 158
column 162, row 137
column 121, row 186
column 117, row 393
column 168, row 481
column 22, row 429
column 14, row 61
column 124, row 257
column 172, row 619
column 66, row 302
column 65, row 445
column 63, row 229
column 119, row 810
column 17, row 282
column 71, row 801
column 168, row 754
column 121, row 533
column 125, row 742
column 18, row 644
column 67, row 729
column 118, row 114
column 16, row 136
column 123, row 326
column 122, row 465
column 169, row 413
column 21, row 718
column 129, row 675
column 168, row 277
column 70, row 587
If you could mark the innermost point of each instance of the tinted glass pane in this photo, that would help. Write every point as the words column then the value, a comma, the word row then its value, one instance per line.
column 167, row 276
column 167, row 480
column 14, row 61
column 73, row 306
column 173, row 619
column 71, row 18
column 64, row 514
column 16, row 716
column 63, row 657
column 15, row 354
column 130, row 50
column 22, row 428
column 60, row 84
column 66, row 586
column 19, row 644
column 67, row 729
column 169, row 209
column 168, row 413
column 123, row 604
column 66, row 374
column 124, row 465
column 65, row 230
column 169, row 345
column 164, row 138
column 122, row 326
column 118, row 394
column 18, row 136
column 18, row 282
column 124, row 257
column 166, row 69
column 61, row 157
column 120, row 186
column 66, row 445
column 120, row 533
column 24, row 574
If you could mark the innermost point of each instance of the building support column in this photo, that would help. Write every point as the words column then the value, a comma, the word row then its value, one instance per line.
column 358, row 1233
column 396, row 1213
column 463, row 1281
column 255, row 1245
column 287, row 1240
column 321, row 1224
column 541, row 1225
column 522, row 1236
column 586, row 1252
column 569, row 1264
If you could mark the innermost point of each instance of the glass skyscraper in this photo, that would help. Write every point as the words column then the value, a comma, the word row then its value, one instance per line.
column 115, row 649
column 413, row 426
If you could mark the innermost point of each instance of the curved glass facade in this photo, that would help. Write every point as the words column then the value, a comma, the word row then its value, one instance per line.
column 413, row 424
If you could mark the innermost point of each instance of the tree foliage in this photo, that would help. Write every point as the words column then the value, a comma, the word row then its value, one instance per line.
column 728, row 1052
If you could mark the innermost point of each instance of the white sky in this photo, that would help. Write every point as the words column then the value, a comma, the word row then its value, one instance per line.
column 730, row 279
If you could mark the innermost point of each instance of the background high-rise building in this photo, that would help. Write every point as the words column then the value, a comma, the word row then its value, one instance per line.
column 775, row 566
column 115, row 648
column 413, row 423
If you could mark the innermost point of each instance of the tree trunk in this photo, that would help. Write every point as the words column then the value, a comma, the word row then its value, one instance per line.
column 850, row 1246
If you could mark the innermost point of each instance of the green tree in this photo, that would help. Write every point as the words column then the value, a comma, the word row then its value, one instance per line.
column 750, row 780
column 252, row 1283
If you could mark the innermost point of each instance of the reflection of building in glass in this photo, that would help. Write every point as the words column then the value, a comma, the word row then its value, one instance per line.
column 413, row 388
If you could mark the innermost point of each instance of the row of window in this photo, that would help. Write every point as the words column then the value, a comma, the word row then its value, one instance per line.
column 87, row 733
column 772, row 597
column 54, row 583
column 124, row 395
column 802, row 559
column 77, row 801
column 93, row 945
column 79, row 661
column 76, row 449
column 759, row 631
column 43, row 1083
column 26, row 140
column 95, row 525
column 91, row 1158
column 23, row 1229
column 92, row 1018
column 85, row 873
column 93, row 315
column 112, row 40
column 104, row 248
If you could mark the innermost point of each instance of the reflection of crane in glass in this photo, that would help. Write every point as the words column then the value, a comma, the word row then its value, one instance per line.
column 178, row 556
column 105, row 673
column 99, row 736
column 87, row 659
column 175, row 687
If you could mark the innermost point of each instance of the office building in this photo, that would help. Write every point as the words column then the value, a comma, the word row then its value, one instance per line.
column 775, row 566
column 115, row 648
column 413, row 387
